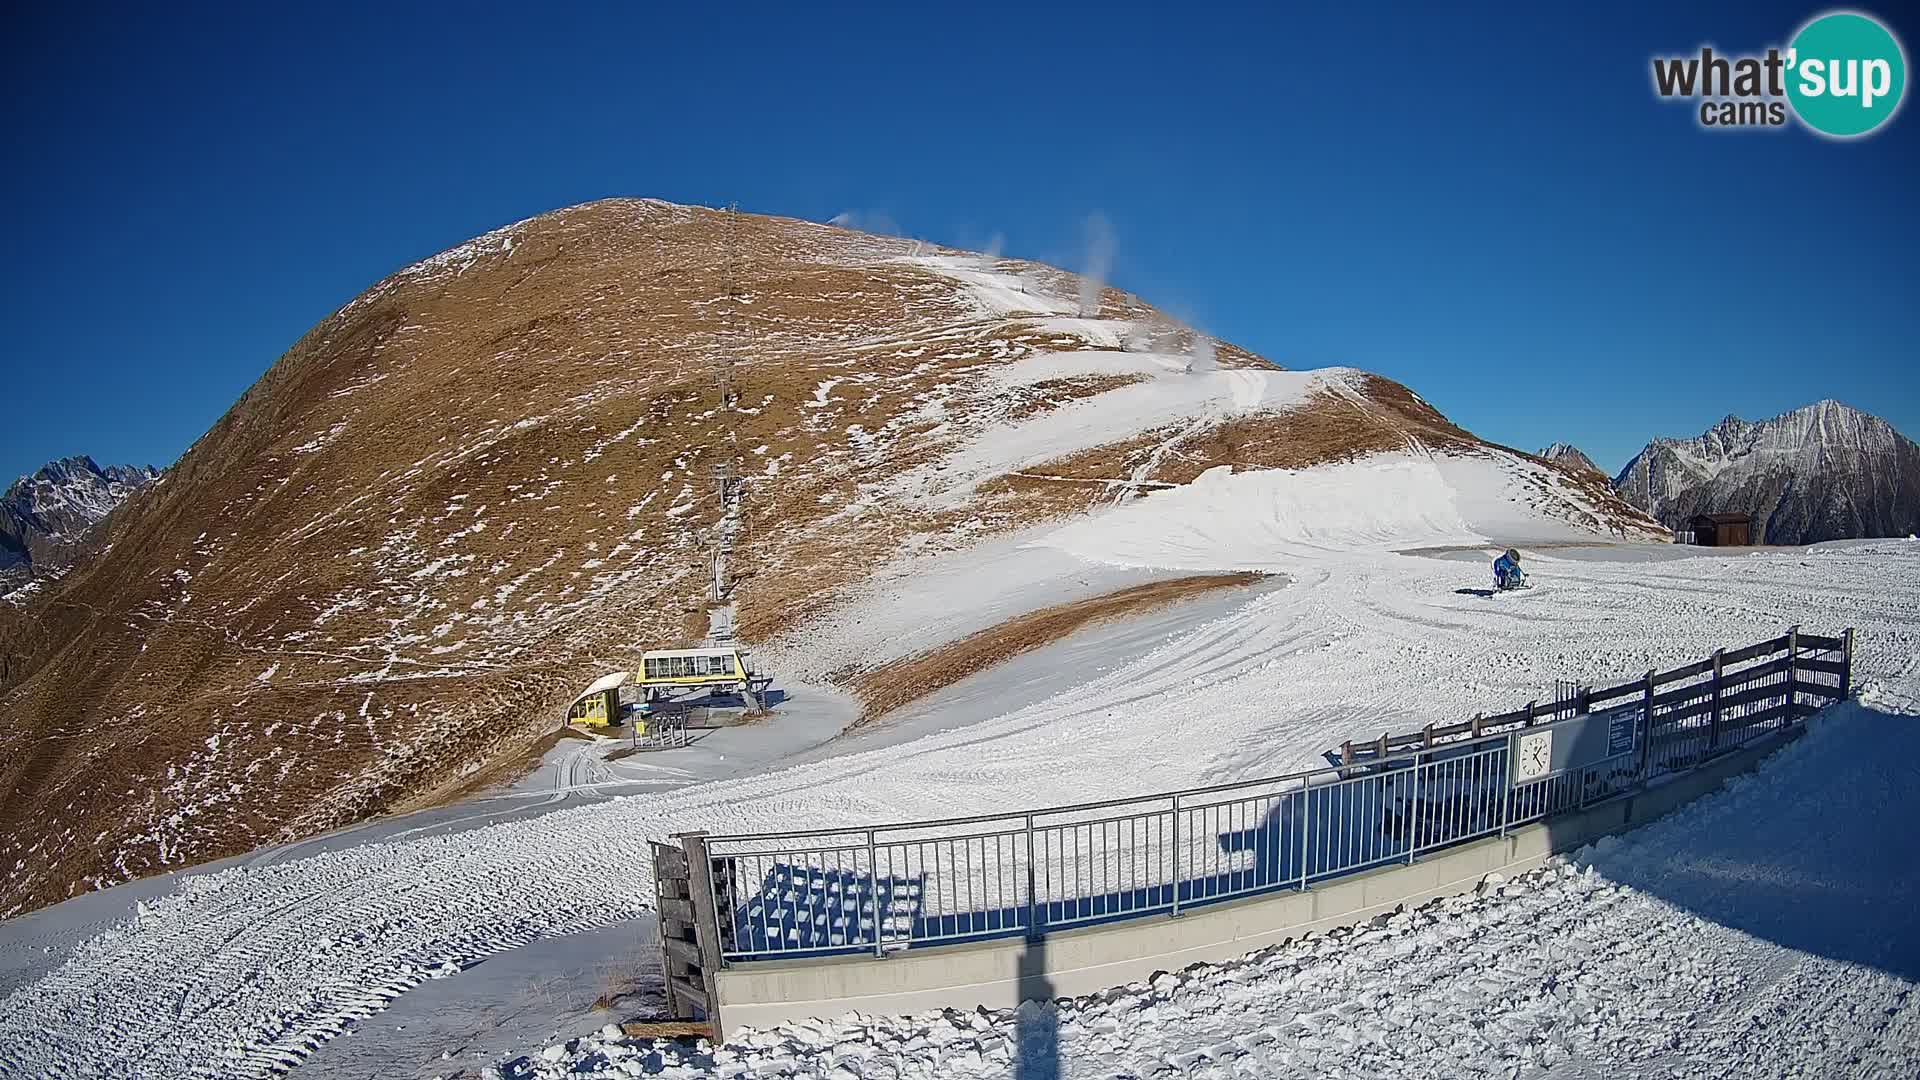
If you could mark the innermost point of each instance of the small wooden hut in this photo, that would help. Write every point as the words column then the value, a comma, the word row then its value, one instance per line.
column 1723, row 530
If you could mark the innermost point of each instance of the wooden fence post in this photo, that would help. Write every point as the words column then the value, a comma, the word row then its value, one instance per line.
column 706, row 923
column 1846, row 664
column 1646, row 736
column 684, row 935
column 1793, row 673
column 1713, row 732
column 1346, row 752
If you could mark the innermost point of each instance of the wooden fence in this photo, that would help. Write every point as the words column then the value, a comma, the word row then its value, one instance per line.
column 1727, row 684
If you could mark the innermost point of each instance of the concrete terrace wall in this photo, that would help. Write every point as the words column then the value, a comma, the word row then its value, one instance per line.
column 1002, row 973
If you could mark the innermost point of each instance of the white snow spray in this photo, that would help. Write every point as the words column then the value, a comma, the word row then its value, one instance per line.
column 878, row 222
column 995, row 244
column 1200, row 358
column 1093, row 274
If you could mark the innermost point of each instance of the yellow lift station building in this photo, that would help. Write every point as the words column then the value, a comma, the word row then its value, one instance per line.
column 598, row 705
column 666, row 668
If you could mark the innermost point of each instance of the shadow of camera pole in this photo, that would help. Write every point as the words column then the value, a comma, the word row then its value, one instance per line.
column 1036, row 1050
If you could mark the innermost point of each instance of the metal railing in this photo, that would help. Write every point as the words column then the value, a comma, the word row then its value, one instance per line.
column 666, row 730
column 890, row 887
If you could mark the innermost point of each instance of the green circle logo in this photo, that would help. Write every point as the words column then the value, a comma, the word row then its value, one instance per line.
column 1846, row 74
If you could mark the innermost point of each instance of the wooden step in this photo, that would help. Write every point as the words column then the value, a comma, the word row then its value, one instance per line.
column 667, row 1029
column 686, row 991
column 685, row 951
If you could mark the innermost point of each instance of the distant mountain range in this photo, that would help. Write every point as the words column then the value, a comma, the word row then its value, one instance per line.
column 1823, row 472
column 46, row 514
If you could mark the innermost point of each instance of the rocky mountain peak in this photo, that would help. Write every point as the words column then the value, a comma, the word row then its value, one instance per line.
column 1570, row 456
column 1824, row 471
column 46, row 513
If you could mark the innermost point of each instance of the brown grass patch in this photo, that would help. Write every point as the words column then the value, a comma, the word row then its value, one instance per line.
column 1051, row 394
column 510, row 769
column 887, row 688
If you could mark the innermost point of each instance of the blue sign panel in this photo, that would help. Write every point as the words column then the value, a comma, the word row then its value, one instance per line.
column 1620, row 727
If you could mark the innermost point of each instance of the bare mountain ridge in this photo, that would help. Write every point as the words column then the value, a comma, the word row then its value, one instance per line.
column 488, row 478
column 1826, row 471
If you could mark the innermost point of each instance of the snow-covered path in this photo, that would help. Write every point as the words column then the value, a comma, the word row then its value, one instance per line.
column 245, row 970
column 1766, row 930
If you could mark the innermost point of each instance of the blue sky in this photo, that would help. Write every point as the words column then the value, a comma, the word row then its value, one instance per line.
column 1491, row 207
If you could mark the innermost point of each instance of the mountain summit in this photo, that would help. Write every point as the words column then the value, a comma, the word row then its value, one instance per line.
column 47, row 513
column 1823, row 472
column 1570, row 456
column 492, row 477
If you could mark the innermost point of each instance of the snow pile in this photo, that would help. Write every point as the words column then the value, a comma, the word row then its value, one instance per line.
column 1759, row 929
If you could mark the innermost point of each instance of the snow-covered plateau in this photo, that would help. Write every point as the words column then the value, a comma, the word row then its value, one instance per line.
column 1691, row 947
column 1765, row 931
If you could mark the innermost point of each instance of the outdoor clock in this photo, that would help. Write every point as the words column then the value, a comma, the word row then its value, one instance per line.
column 1533, row 756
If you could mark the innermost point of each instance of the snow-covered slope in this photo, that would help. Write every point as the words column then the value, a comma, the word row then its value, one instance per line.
column 1758, row 932
column 1277, row 519
column 244, row 970
column 44, row 514
column 1822, row 472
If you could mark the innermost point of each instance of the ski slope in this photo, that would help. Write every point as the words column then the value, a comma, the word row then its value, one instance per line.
column 247, row 970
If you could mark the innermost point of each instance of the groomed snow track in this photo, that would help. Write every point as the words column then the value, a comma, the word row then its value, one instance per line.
column 1765, row 930
column 243, row 971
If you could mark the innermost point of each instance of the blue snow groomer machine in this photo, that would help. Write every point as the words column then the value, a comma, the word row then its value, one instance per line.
column 1507, row 574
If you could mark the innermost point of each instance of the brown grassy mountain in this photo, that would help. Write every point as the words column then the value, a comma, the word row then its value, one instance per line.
column 488, row 479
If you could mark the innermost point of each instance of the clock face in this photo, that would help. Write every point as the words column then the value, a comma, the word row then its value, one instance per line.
column 1534, row 756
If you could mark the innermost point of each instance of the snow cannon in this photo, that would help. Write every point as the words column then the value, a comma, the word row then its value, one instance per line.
column 1507, row 574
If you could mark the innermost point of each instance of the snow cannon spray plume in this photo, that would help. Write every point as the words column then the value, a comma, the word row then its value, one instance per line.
column 1093, row 275
column 1200, row 359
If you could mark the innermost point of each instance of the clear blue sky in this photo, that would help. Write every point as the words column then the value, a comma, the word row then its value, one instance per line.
column 1492, row 208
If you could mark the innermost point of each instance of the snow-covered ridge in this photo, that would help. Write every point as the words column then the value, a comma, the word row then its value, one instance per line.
column 54, row 506
column 1274, row 520
column 993, row 291
column 75, row 489
column 1821, row 472
column 1169, row 395
column 1571, row 456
